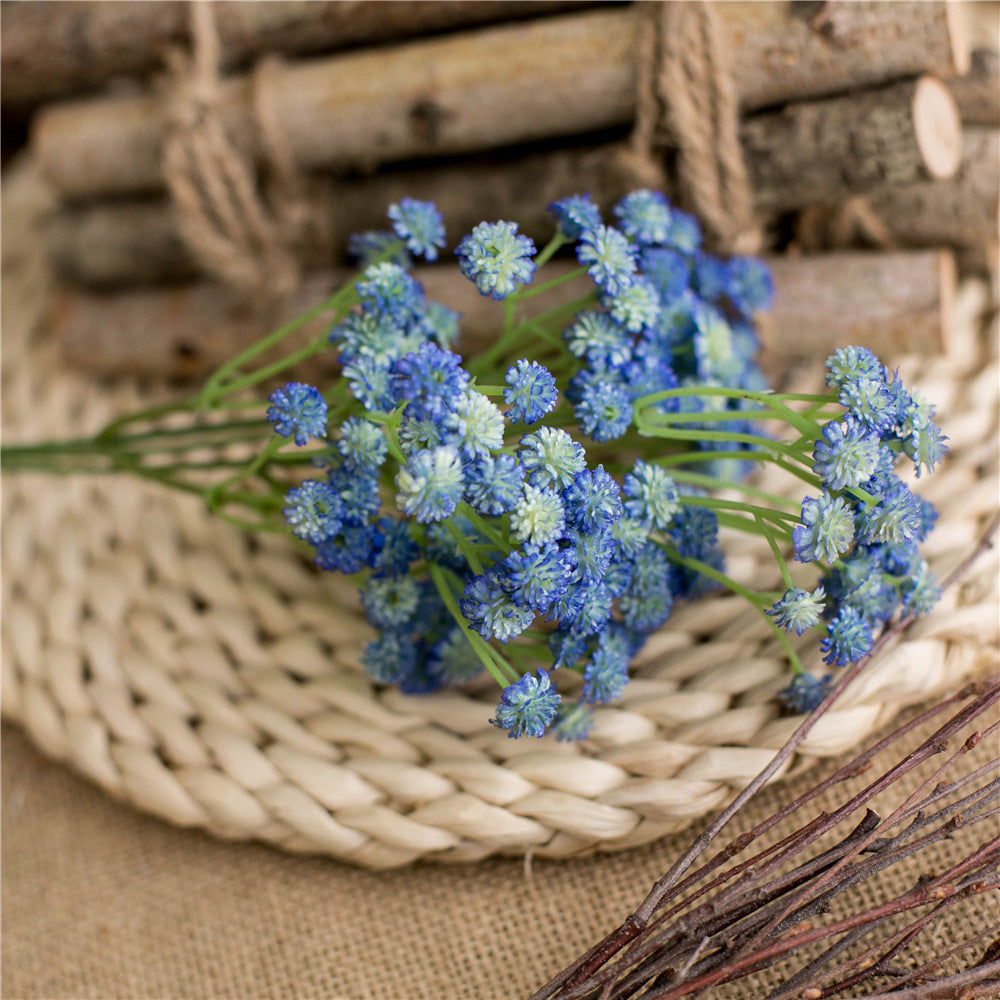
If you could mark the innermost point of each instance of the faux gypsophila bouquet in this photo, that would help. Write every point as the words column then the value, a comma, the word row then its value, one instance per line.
column 542, row 506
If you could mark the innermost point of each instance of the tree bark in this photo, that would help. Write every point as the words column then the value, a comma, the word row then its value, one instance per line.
column 50, row 49
column 978, row 93
column 473, row 91
column 819, row 152
column 889, row 302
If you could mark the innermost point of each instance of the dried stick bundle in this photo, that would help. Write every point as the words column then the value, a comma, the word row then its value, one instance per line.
column 801, row 901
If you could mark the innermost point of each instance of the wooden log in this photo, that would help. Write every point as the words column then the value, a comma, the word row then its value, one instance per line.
column 51, row 50
column 818, row 152
column 889, row 302
column 978, row 93
column 472, row 91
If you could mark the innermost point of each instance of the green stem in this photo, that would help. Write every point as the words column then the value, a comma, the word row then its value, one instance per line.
column 712, row 483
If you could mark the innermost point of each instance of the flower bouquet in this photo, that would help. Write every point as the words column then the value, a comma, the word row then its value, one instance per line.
column 532, row 513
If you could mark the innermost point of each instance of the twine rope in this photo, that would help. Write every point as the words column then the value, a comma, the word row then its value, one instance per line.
column 238, row 236
column 687, row 102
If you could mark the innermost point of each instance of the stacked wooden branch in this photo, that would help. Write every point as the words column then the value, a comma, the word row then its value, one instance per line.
column 840, row 101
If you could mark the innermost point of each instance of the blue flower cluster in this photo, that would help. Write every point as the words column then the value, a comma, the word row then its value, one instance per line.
column 669, row 315
column 866, row 525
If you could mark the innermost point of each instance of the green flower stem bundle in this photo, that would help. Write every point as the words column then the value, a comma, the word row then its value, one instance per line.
column 539, row 508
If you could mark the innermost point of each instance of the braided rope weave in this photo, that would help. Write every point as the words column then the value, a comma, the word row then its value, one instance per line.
column 214, row 680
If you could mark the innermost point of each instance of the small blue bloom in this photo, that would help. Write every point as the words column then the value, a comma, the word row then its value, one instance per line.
column 631, row 534
column 575, row 214
column 476, row 423
column 369, row 381
column 362, row 444
column 635, row 307
column 583, row 609
column 805, row 693
column 925, row 445
column 298, row 410
column 491, row 611
column 928, row 518
column 527, row 706
column 496, row 259
column 894, row 520
column 593, row 500
column 573, row 722
column 453, row 659
column 846, row 455
column 566, row 648
column 668, row 270
column 652, row 495
column 750, row 286
column 419, row 225
column 390, row 602
column 390, row 657
column 609, row 257
column 314, row 511
column 694, row 531
column 603, row 405
column 869, row 402
column 531, row 391
column 551, row 457
column 852, row 363
column 440, row 324
column 600, row 339
column 358, row 489
column 713, row 346
column 538, row 516
column 849, row 638
column 711, row 277
column 685, row 233
column 798, row 609
column 389, row 291
column 494, row 485
column 353, row 548
column 537, row 575
column 398, row 549
column 429, row 381
column 592, row 552
column 922, row 591
column 417, row 434
column 648, row 599
column 366, row 247
column 606, row 675
column 826, row 531
column 645, row 217
column 430, row 484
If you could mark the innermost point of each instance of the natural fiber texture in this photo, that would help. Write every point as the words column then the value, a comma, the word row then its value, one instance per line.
column 687, row 102
column 213, row 679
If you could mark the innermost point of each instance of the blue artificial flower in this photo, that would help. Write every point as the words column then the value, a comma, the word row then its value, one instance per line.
column 921, row 591
column 602, row 405
column 496, row 259
column 398, row 548
column 869, row 402
column 631, row 534
column 826, row 531
column 592, row 500
column 648, row 598
column 537, row 575
column 852, row 363
column 358, row 491
column 575, row 214
column 750, row 285
column 551, row 457
column 606, row 675
column 685, row 233
column 713, row 347
column 928, row 518
column 430, row 484
column 859, row 582
column 440, row 324
column 372, row 337
column 362, row 444
column 573, row 722
column 353, row 548
column 711, row 277
column 592, row 553
column 419, row 434
column 694, row 531
column 391, row 293
column 527, row 706
column 668, row 270
column 429, row 381
column 298, row 410
column 369, row 381
column 390, row 657
column 635, row 307
column 849, row 638
column 805, row 693
column 618, row 575
column 491, row 611
column 652, row 495
column 419, row 225
column 566, row 648
column 609, row 257
column 453, row 659
column 390, row 602
column 314, row 512
column 894, row 520
column 476, row 423
column 846, row 455
column 494, row 485
column 538, row 517
column 600, row 339
column 531, row 391
column 925, row 446
column 645, row 217
column 584, row 609
column 798, row 609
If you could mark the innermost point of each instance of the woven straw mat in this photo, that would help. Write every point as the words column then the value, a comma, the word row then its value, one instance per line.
column 214, row 680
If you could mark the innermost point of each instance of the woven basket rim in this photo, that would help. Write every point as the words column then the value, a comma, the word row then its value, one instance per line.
column 217, row 683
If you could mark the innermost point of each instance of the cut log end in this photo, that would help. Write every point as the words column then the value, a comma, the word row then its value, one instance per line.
column 938, row 128
column 956, row 18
